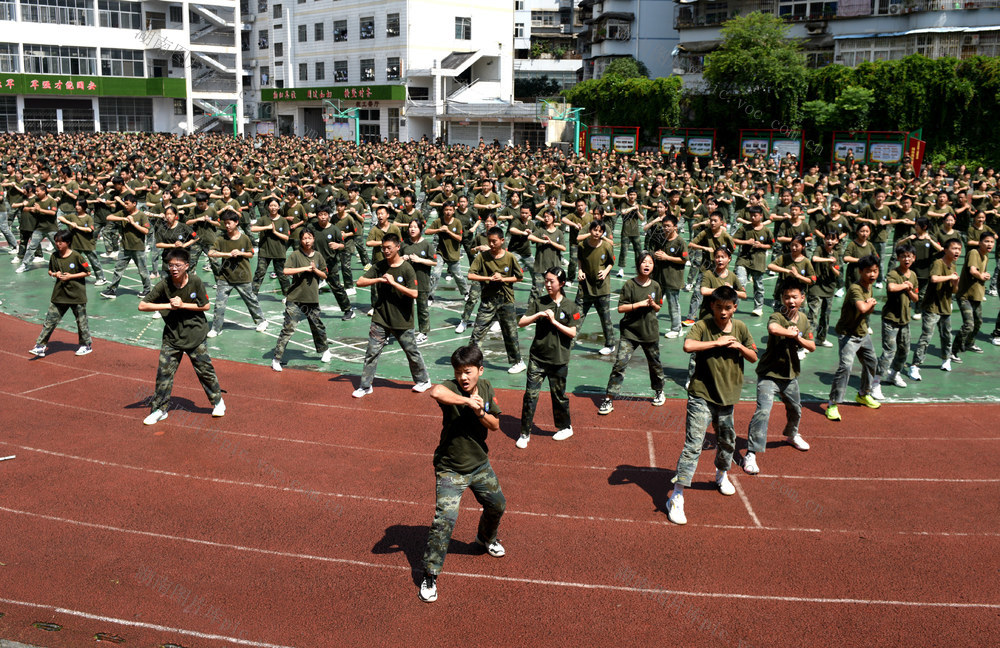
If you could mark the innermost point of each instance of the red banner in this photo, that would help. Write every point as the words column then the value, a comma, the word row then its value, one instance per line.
column 915, row 148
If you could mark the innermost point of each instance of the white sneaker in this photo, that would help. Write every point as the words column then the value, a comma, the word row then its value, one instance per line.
column 101, row 282
column 801, row 353
column 620, row 274
column 798, row 442
column 213, row 333
column 15, row 260
column 750, row 464
column 419, row 338
column 672, row 334
column 21, row 269
column 757, row 311
column 876, row 392
column 327, row 356
column 659, row 399
column 360, row 393
column 827, row 344
column 917, row 316
column 220, row 409
column 495, row 327
column 322, row 284
column 84, row 350
column 155, row 417
column 156, row 315
column 914, row 372
column 422, row 386
column 608, row 350
column 518, row 368
column 38, row 350
column 995, row 341
column 351, row 291
column 839, row 293
column 675, row 509
column 370, row 312
column 494, row 548
column 261, row 326
column 563, row 434
column 897, row 380
column 276, row 365
column 461, row 327
column 522, row 441
column 428, row 589
column 722, row 482
column 946, row 365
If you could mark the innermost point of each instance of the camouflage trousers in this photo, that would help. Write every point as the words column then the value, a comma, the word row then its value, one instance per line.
column 423, row 312
column 700, row 413
column 56, row 312
column 245, row 291
column 95, row 263
column 603, row 305
column 378, row 337
column 334, row 285
column 972, row 321
column 450, row 487
column 294, row 312
column 196, row 250
column 170, row 360
column 493, row 309
column 475, row 293
column 261, row 272
column 538, row 371
column 626, row 348
column 124, row 257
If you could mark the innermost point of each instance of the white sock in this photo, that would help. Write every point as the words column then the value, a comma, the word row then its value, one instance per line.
column 678, row 490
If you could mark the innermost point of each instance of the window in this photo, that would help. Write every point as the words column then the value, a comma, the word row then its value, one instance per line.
column 518, row 30
column 619, row 30
column 339, row 31
column 63, row 12
column 276, row 11
column 279, row 49
column 53, row 59
column 518, row 5
column 180, row 107
column 262, row 40
column 819, row 59
column 121, row 15
column 303, row 71
column 126, row 114
column 318, row 32
column 367, row 28
column 392, row 68
column 367, row 69
column 340, row 71
column 8, row 57
column 806, row 9
column 265, row 75
column 8, row 12
column 320, row 71
column 392, row 25
column 176, row 15
column 368, row 114
column 544, row 18
column 303, row 33
column 394, row 123
column 261, row 6
column 418, row 93
column 463, row 28
column 122, row 62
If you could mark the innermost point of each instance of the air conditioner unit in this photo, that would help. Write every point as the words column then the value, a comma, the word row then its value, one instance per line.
column 895, row 9
column 972, row 39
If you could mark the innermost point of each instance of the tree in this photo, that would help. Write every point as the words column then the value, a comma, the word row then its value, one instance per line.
column 759, row 72
column 542, row 86
column 616, row 101
column 627, row 67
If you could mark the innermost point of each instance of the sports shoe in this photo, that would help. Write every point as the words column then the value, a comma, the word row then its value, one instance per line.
column 154, row 417
column 261, row 326
column 914, row 372
column 21, row 269
column 563, row 434
column 606, row 407
column 327, row 356
column 349, row 314
column 156, row 315
column 608, row 350
column 351, row 291
column 322, row 284
column 428, row 589
column 659, row 398
column 675, row 509
column 867, row 401
column 101, row 282
column 109, row 295
column 360, row 392
column 839, row 293
column 213, row 333
column 897, row 380
column 518, row 368
column 917, row 316
column 954, row 358
column 879, row 285
column 801, row 352
column 876, row 392
column 84, row 350
column 946, row 365
column 421, row 387
column 522, row 441
column 722, row 482
column 832, row 413
column 975, row 348
column 688, row 322
column 995, row 341
column 220, row 409
column 798, row 443
column 750, row 464
column 495, row 327
column 276, row 365
column 420, row 338
column 494, row 548
column 620, row 274
column 38, row 350
column 757, row 312
column 461, row 327
column 672, row 334
column 826, row 343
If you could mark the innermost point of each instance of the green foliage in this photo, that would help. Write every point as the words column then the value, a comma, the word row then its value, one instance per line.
column 819, row 114
column 616, row 101
column 541, row 87
column 853, row 105
column 627, row 67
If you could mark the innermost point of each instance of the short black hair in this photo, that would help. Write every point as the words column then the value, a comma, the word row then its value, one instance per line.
column 792, row 284
column 725, row 294
column 391, row 237
column 62, row 236
column 870, row 260
column 494, row 231
column 467, row 356
column 230, row 216
column 180, row 254
column 905, row 248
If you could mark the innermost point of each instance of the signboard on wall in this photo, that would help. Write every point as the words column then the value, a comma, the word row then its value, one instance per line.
column 700, row 146
column 671, row 140
column 886, row 152
column 600, row 142
column 624, row 143
column 786, row 146
column 751, row 147
column 840, row 150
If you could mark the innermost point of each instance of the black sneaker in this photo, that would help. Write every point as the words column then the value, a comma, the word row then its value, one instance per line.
column 428, row 589
column 349, row 315
column 607, row 406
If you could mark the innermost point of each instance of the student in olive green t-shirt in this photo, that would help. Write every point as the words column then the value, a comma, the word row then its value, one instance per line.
column 788, row 330
column 640, row 300
column 273, row 242
column 496, row 270
column 135, row 227
column 182, row 301
column 855, row 339
column 307, row 268
column 972, row 292
column 81, row 229
column 937, row 308
column 470, row 412
column 232, row 251
column 596, row 256
column 721, row 344
column 670, row 253
column 901, row 294
column 70, row 270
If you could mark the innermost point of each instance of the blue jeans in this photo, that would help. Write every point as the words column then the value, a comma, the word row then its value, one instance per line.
column 33, row 244
column 850, row 346
column 895, row 346
column 929, row 321
column 767, row 389
column 699, row 413
column 758, row 284
column 673, row 308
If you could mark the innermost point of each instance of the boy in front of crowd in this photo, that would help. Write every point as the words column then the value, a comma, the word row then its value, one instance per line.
column 232, row 252
column 70, row 270
column 597, row 258
column 972, row 292
column 901, row 295
column 721, row 344
column 497, row 271
column 941, row 287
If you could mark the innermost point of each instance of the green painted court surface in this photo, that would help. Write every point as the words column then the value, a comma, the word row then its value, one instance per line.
column 27, row 296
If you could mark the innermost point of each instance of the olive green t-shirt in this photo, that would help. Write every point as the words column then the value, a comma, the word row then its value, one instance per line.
column 179, row 233
column 898, row 305
column 234, row 270
column 669, row 274
column 393, row 309
column 182, row 329
column 448, row 248
column 305, row 285
column 781, row 359
column 80, row 240
column 592, row 260
column 549, row 344
column 851, row 321
column 132, row 239
column 640, row 325
column 206, row 230
column 713, row 281
column 463, row 448
column 44, row 222
column 938, row 299
column 377, row 234
column 272, row 247
column 547, row 256
column 968, row 286
column 749, row 256
column 718, row 372
column 73, row 291
column 425, row 250
column 706, row 239
column 486, row 265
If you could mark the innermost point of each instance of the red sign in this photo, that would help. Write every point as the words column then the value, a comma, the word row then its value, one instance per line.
column 916, row 147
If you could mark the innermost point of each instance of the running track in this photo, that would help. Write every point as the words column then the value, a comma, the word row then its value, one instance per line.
column 300, row 518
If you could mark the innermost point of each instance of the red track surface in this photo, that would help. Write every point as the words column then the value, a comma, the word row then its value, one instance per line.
column 300, row 519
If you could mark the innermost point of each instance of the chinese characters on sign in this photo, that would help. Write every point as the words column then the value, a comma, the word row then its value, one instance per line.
column 349, row 93
column 66, row 86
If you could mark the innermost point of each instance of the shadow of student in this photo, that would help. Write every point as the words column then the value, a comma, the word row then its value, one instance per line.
column 655, row 481
column 411, row 541
column 57, row 346
column 510, row 426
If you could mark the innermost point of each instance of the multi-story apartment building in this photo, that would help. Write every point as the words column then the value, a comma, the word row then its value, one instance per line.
column 545, row 41
column 103, row 65
column 642, row 29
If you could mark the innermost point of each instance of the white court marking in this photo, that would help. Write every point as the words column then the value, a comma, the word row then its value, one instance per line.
column 746, row 501
column 56, row 384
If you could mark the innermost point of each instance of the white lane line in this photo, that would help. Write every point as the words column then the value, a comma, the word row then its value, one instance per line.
column 508, row 579
column 140, row 624
column 652, row 452
column 746, row 501
column 56, row 384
